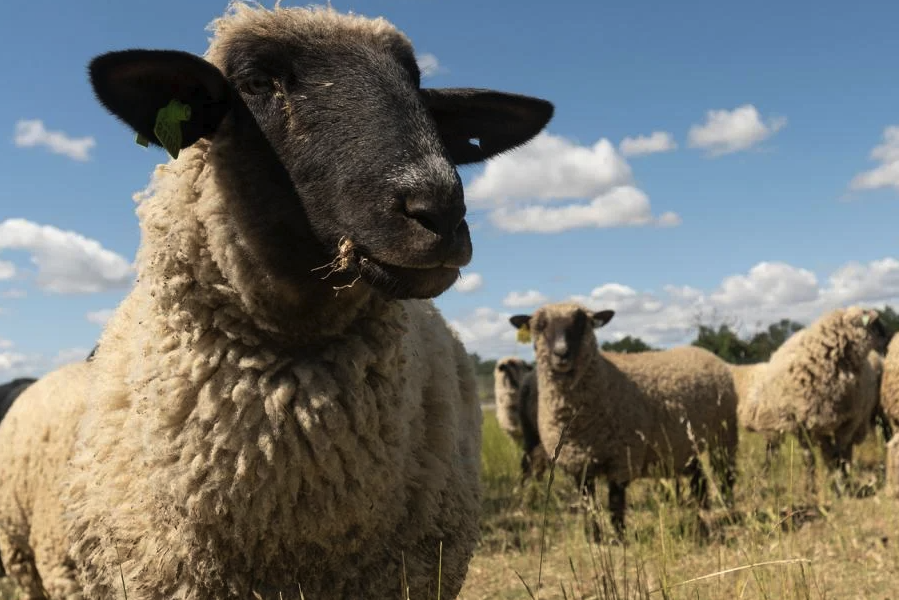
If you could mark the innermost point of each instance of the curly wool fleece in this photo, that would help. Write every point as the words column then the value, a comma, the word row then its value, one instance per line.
column 212, row 461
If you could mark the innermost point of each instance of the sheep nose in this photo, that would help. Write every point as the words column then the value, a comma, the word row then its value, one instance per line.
column 561, row 351
column 443, row 219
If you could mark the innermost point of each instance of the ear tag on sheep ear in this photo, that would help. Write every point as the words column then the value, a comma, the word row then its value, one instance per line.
column 524, row 334
column 865, row 320
column 168, row 126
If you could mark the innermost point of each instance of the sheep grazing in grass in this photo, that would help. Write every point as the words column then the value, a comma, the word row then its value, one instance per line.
column 822, row 386
column 508, row 375
column 626, row 416
column 254, row 424
column 889, row 412
column 11, row 390
column 744, row 376
column 515, row 390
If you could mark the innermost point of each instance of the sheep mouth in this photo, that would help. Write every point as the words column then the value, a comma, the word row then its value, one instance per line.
column 406, row 282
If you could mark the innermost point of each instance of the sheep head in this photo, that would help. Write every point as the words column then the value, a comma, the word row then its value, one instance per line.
column 323, row 133
column 563, row 334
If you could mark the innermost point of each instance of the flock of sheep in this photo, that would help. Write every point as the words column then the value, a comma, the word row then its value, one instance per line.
column 277, row 409
column 651, row 414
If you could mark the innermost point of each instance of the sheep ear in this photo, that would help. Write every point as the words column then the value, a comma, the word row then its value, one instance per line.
column 602, row 318
column 135, row 85
column 476, row 124
column 519, row 321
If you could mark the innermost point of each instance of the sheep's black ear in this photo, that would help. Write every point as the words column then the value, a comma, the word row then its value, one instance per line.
column 602, row 318
column 528, row 367
column 518, row 321
column 476, row 124
column 134, row 84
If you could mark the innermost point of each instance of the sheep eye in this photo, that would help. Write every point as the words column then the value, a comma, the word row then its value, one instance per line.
column 257, row 85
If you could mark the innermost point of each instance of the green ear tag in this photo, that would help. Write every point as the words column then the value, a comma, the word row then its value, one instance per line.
column 524, row 334
column 168, row 126
column 141, row 141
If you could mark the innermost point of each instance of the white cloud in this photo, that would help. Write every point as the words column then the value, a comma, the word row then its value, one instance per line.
column 17, row 364
column 726, row 131
column 469, row 282
column 5, row 344
column 524, row 299
column 887, row 173
column 489, row 333
column 523, row 188
column 624, row 206
column 99, row 317
column 767, row 292
column 33, row 133
column 13, row 294
column 550, row 167
column 67, row 262
column 7, row 270
column 657, row 141
column 429, row 65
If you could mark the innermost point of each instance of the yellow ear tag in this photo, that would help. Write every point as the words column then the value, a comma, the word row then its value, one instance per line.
column 524, row 334
column 865, row 320
column 168, row 125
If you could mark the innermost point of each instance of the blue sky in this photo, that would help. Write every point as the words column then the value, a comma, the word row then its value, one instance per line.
column 781, row 202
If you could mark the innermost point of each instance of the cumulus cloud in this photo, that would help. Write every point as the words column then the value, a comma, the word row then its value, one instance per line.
column 523, row 188
column 524, row 299
column 657, row 141
column 727, row 131
column 429, row 65
column 469, row 282
column 14, row 363
column 886, row 174
column 67, row 262
column 550, row 167
column 32, row 133
column 624, row 206
column 99, row 317
column 7, row 270
column 767, row 292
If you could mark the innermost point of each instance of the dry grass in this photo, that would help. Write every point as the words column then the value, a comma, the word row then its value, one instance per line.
column 778, row 542
column 800, row 547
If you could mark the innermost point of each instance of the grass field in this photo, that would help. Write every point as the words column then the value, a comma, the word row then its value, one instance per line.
column 777, row 543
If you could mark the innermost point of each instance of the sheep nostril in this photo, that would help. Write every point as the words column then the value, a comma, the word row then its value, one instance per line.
column 443, row 222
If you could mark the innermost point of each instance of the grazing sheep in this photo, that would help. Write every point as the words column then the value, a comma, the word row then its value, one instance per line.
column 821, row 386
column 244, row 428
column 508, row 375
column 10, row 390
column 624, row 416
column 889, row 388
column 744, row 375
column 515, row 390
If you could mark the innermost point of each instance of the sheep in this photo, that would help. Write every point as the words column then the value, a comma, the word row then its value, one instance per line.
column 624, row 416
column 253, row 424
column 515, row 390
column 11, row 390
column 508, row 374
column 821, row 386
column 889, row 389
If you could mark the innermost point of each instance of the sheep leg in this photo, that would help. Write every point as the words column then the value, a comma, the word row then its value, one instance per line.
column 617, row 503
column 588, row 500
column 724, row 464
column 20, row 566
column 808, row 456
column 837, row 460
column 699, row 486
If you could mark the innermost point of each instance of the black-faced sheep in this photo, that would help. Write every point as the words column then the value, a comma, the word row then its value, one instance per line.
column 822, row 386
column 515, row 390
column 623, row 416
column 245, row 429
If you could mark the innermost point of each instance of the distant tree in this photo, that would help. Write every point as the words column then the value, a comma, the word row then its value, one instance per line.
column 763, row 344
column 627, row 344
column 723, row 342
column 890, row 319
